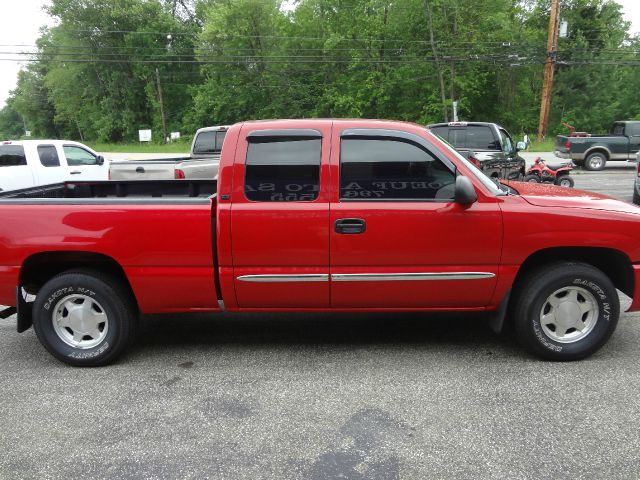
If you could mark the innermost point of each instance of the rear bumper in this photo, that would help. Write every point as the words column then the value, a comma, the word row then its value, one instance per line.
column 560, row 154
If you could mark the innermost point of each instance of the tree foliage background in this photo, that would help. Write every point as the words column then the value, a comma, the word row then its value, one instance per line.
column 94, row 75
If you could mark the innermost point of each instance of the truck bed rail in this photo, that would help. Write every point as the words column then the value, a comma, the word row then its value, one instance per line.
column 168, row 189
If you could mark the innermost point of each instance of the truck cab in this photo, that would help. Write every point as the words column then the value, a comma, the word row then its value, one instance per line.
column 487, row 144
column 31, row 163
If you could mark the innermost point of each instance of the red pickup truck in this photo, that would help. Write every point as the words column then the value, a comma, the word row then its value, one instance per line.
column 318, row 215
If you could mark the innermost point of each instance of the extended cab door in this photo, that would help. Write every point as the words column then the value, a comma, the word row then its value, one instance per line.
column 398, row 240
column 280, row 217
column 46, row 164
column 14, row 171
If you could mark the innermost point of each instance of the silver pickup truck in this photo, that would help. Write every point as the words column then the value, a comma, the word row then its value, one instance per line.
column 202, row 163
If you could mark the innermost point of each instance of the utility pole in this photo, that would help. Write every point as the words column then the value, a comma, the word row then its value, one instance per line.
column 549, row 69
column 164, row 120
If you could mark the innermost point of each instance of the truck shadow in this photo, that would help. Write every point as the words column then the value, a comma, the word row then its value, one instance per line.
column 318, row 328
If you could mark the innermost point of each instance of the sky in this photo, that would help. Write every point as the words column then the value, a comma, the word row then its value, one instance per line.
column 20, row 26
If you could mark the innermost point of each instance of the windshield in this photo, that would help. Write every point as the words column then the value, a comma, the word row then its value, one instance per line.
column 486, row 181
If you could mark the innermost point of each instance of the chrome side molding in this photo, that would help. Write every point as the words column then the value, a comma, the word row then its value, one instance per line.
column 390, row 277
column 366, row 277
column 311, row 277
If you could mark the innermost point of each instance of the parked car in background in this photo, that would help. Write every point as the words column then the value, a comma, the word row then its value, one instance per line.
column 30, row 163
column 202, row 162
column 487, row 145
column 594, row 151
column 318, row 215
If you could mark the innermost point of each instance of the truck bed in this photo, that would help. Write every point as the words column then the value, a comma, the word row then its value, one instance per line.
column 114, row 190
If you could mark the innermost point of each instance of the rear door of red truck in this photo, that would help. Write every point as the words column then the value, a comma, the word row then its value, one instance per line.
column 351, row 215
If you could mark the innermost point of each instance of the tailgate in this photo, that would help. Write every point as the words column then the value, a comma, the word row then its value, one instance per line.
column 561, row 142
column 158, row 170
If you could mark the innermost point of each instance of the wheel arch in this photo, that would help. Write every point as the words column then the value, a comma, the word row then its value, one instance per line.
column 41, row 267
column 598, row 149
column 613, row 263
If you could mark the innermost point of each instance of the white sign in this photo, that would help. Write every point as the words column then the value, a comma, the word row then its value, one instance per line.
column 175, row 135
column 564, row 29
column 27, row 133
column 144, row 135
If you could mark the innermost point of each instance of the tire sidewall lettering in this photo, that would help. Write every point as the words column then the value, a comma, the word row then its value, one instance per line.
column 65, row 291
column 94, row 352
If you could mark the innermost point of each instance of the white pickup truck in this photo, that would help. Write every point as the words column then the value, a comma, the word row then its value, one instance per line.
column 203, row 162
column 31, row 163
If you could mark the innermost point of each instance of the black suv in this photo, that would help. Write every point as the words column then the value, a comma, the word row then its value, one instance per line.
column 488, row 145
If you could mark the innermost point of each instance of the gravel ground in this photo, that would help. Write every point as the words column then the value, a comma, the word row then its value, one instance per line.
column 315, row 396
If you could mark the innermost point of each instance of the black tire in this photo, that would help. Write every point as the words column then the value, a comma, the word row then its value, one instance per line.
column 636, row 197
column 565, row 181
column 533, row 299
column 532, row 177
column 104, row 295
column 595, row 161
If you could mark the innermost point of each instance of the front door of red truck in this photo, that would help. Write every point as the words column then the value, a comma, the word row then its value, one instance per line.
column 280, row 216
column 398, row 240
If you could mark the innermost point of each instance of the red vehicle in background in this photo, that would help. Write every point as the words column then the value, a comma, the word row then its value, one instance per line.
column 318, row 215
column 541, row 172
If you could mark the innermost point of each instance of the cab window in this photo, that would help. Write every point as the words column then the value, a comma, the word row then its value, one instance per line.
column 77, row 156
column 283, row 169
column 392, row 169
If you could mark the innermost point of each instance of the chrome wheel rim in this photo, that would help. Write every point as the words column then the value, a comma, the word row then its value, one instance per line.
column 565, row 183
column 532, row 180
column 569, row 314
column 595, row 162
column 80, row 321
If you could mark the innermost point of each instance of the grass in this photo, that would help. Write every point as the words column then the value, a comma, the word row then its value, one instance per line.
column 176, row 147
column 546, row 146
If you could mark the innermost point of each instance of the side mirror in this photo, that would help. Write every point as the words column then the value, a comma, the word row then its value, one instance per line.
column 100, row 160
column 521, row 146
column 465, row 193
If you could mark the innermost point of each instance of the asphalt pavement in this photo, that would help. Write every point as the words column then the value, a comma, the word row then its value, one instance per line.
column 318, row 396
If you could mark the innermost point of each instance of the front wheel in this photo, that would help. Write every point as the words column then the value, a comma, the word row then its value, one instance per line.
column 565, row 181
column 532, row 178
column 84, row 318
column 565, row 311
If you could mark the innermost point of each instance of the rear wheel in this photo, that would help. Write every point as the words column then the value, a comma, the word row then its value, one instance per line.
column 565, row 181
column 84, row 318
column 595, row 161
column 532, row 177
column 565, row 311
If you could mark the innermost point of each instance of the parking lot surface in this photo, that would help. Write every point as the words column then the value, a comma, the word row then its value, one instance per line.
column 316, row 396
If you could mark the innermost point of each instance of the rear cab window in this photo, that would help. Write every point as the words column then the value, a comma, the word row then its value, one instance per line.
column 283, row 166
column 472, row 137
column 209, row 142
column 481, row 137
column 12, row 156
